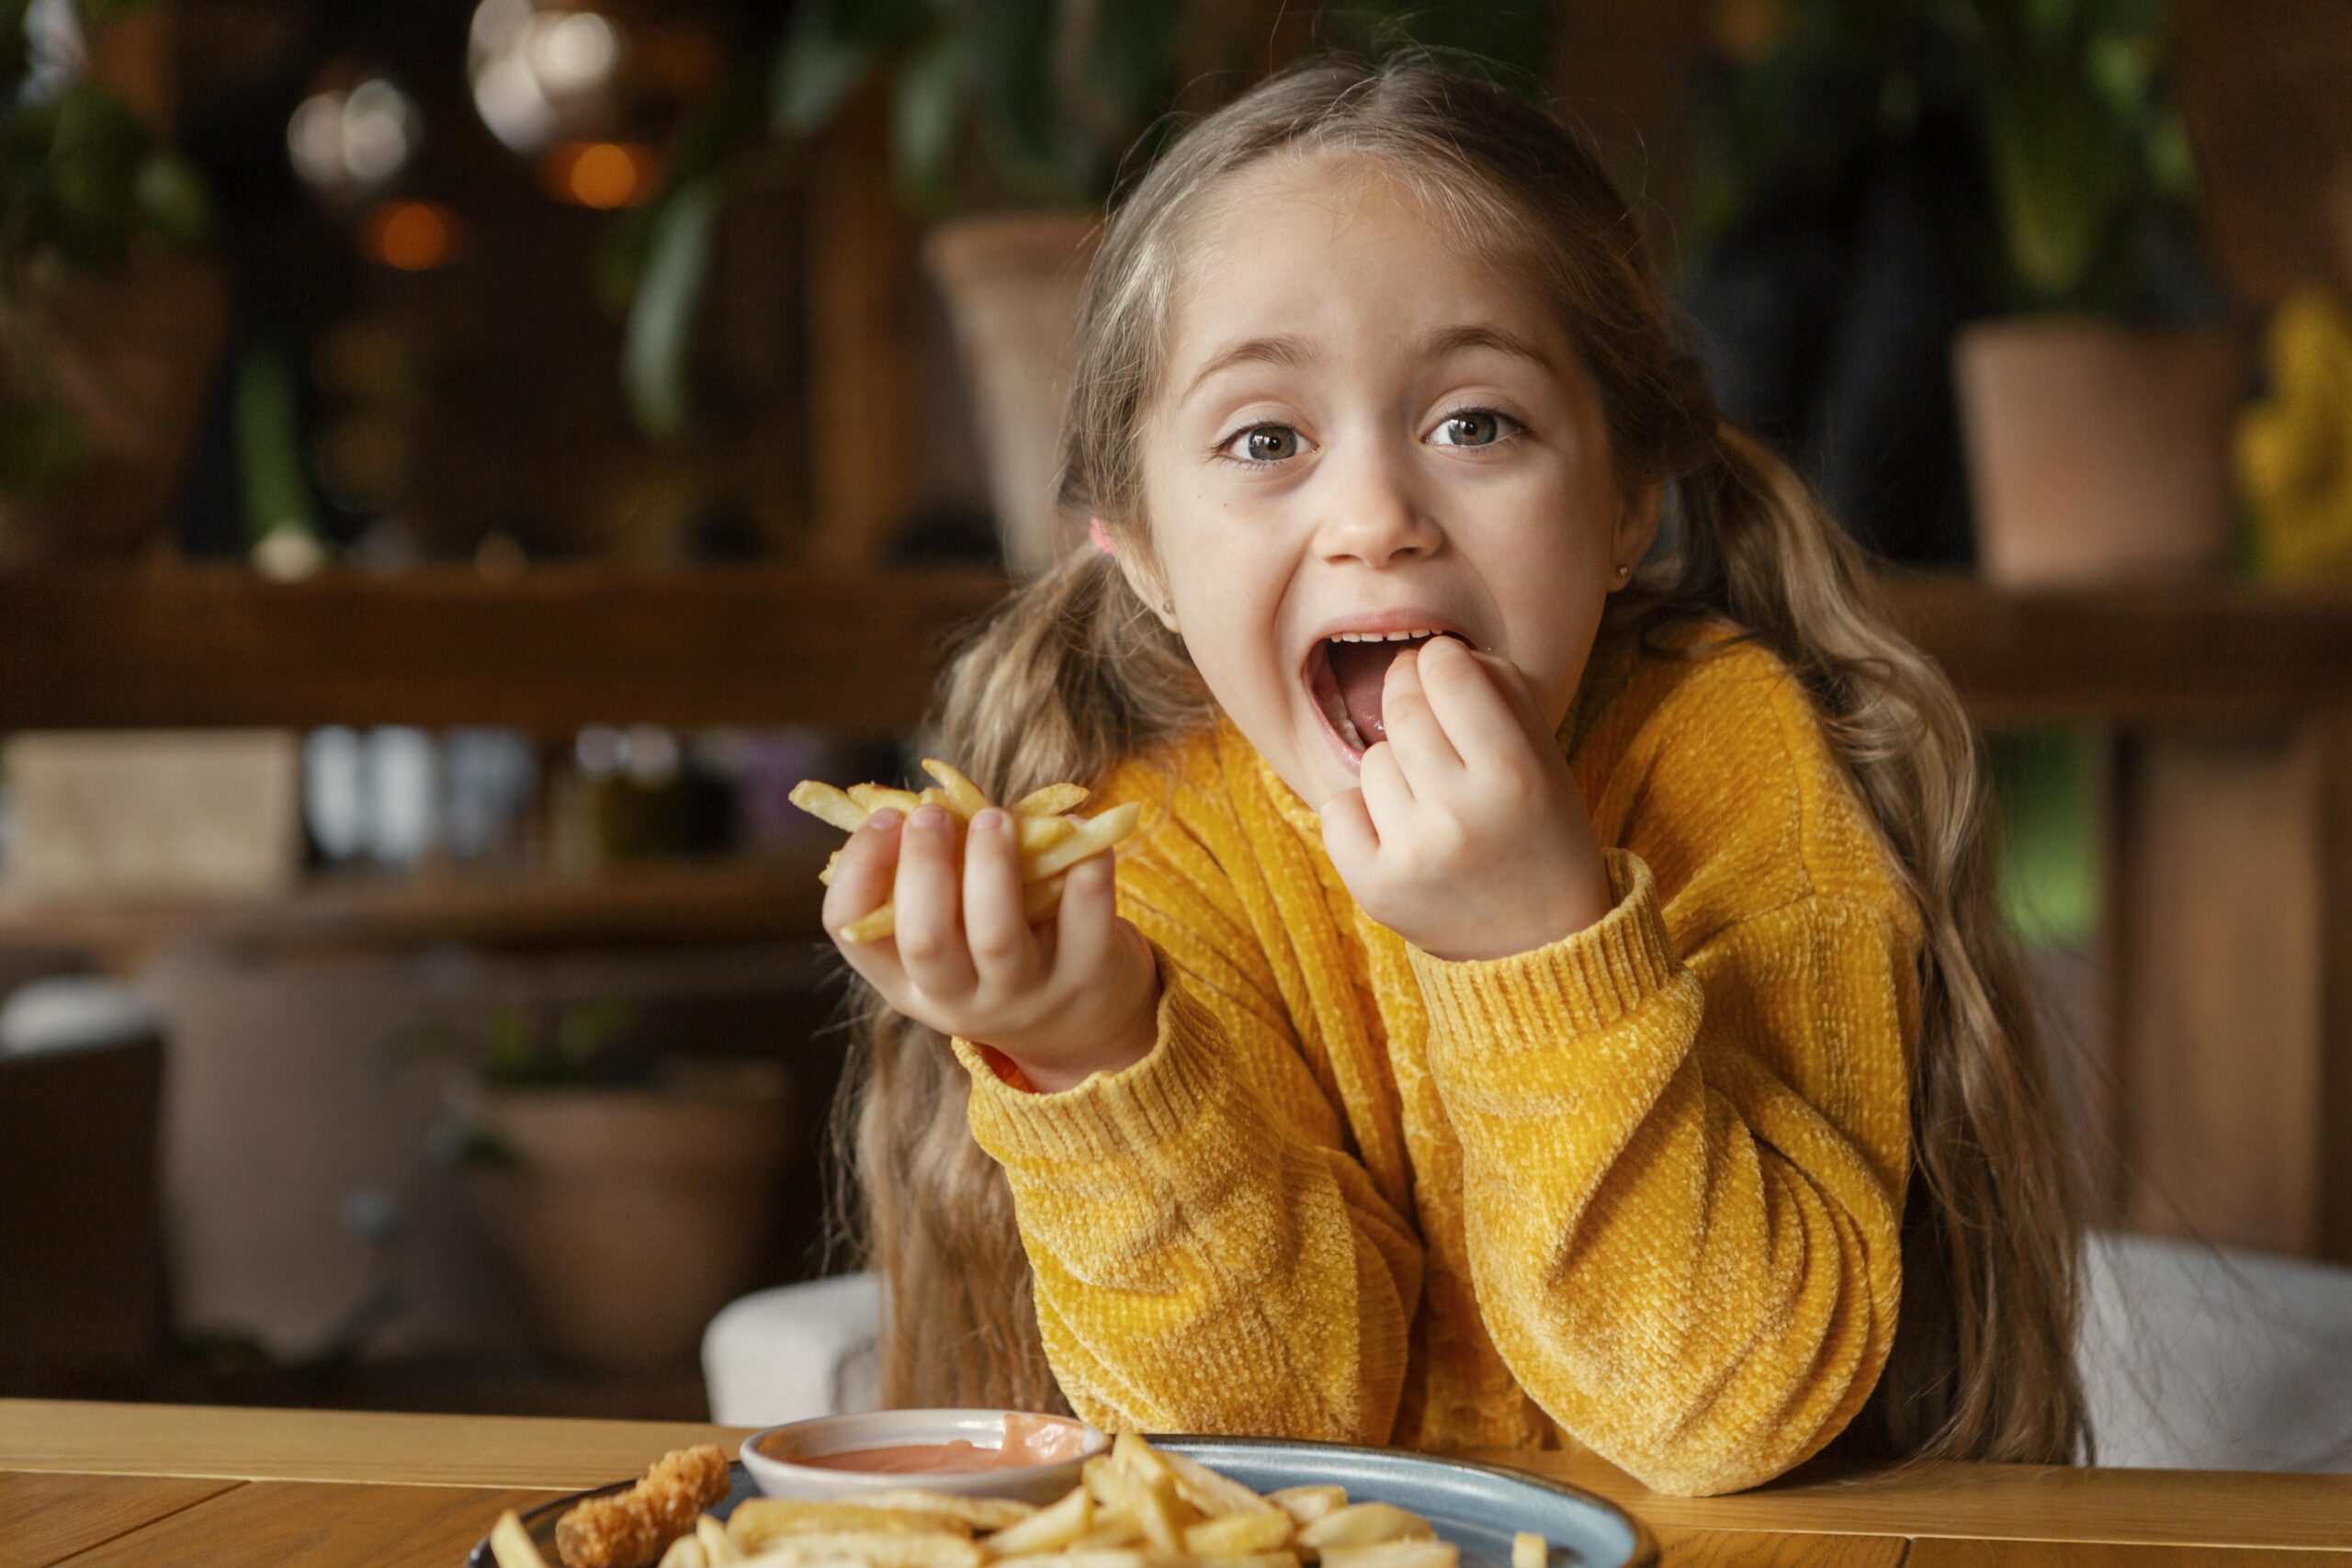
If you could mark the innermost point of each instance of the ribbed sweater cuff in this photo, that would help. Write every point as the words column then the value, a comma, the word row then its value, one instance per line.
column 1110, row 1115
column 1581, row 984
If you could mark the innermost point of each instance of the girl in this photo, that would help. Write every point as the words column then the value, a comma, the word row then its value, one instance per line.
column 1555, row 992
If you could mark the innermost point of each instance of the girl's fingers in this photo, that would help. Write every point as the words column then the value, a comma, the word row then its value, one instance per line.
column 862, row 883
column 1348, row 835
column 1477, row 716
column 930, row 919
column 1427, row 756
column 1387, row 797
column 1511, row 681
column 1004, row 951
column 1083, row 925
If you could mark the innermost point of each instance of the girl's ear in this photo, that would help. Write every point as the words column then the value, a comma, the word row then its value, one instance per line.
column 1145, row 582
column 1636, row 525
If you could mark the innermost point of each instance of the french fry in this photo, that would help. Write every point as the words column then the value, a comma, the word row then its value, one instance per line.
column 828, row 804
column 1037, row 834
column 1529, row 1549
column 1135, row 1507
column 973, row 1513
column 1049, row 1529
column 1307, row 1504
column 1095, row 835
column 873, row 927
column 876, row 1549
column 1051, row 801
column 718, row 1548
column 1240, row 1535
column 1144, row 1499
column 1048, row 841
column 759, row 1522
column 1113, row 1528
column 1393, row 1555
column 511, row 1544
column 1365, row 1524
column 875, row 797
column 963, row 797
column 1213, row 1494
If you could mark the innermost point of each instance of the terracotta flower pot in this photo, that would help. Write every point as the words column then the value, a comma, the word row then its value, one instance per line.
column 2097, row 452
column 1011, row 284
column 631, row 1216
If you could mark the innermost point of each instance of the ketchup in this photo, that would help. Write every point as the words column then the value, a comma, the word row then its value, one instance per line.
column 1028, row 1439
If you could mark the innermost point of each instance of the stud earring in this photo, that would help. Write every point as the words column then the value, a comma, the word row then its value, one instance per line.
column 1167, row 606
column 1623, row 571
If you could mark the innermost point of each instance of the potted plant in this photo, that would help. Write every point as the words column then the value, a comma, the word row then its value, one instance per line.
column 1009, row 122
column 2096, row 414
column 112, row 318
column 632, row 1193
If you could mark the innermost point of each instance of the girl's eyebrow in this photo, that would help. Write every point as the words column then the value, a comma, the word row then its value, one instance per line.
column 1294, row 352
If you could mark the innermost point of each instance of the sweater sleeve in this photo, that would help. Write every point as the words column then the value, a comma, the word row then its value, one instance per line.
column 1684, row 1259
column 1208, row 1255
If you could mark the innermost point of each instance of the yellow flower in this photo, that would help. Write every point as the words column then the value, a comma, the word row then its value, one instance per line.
column 2294, row 449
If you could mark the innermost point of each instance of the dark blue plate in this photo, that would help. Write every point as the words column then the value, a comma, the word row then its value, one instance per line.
column 1477, row 1508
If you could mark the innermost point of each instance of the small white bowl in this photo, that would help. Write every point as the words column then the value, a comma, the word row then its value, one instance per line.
column 779, row 1477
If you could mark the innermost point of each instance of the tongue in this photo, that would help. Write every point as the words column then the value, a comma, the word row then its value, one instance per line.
column 1361, row 669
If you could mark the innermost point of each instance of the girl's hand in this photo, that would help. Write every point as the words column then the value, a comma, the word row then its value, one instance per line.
column 1465, row 833
column 1075, row 995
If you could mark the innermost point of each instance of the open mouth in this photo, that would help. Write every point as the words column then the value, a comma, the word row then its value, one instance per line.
column 1346, row 675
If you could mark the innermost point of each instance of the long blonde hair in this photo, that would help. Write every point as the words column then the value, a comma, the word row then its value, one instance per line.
column 1073, row 676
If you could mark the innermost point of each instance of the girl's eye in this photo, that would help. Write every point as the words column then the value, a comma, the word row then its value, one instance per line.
column 1473, row 427
column 1263, row 444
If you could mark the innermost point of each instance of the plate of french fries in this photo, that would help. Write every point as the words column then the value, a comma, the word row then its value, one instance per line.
column 1177, row 1502
column 1050, row 835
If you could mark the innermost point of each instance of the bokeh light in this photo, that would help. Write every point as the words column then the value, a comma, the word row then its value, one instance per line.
column 540, row 72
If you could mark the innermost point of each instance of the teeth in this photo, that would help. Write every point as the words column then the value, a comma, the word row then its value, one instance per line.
column 1380, row 636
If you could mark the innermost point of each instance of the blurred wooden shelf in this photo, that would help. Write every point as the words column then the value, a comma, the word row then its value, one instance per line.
column 670, row 903
column 549, row 650
column 563, row 646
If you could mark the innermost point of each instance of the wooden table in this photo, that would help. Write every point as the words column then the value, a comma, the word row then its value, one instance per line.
column 97, row 1485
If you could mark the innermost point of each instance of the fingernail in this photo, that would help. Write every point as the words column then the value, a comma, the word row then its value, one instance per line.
column 884, row 819
column 991, row 819
column 930, row 818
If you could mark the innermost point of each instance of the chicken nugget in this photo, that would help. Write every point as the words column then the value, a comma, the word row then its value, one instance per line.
column 629, row 1529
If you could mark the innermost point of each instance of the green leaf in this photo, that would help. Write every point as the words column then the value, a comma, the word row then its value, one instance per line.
column 508, row 1055
column 830, row 47
column 1012, row 73
column 589, row 1028
column 660, row 340
column 713, row 137
column 172, row 200
column 927, row 108
column 2063, row 175
column 14, row 49
column 1131, row 54
column 269, row 447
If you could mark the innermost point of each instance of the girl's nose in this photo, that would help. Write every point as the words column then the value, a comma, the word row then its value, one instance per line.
column 1372, row 515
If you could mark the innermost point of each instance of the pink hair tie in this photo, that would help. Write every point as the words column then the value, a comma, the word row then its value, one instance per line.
column 1096, row 531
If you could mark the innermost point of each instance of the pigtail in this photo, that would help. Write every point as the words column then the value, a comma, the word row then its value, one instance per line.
column 1983, row 1365
column 1068, row 678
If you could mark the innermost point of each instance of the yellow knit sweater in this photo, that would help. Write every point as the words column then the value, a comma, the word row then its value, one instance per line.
column 1638, row 1189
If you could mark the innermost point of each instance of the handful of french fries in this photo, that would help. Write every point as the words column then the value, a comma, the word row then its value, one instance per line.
column 1137, row 1506
column 1050, row 838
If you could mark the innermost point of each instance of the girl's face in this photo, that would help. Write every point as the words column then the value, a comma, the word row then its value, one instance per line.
column 1367, row 429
